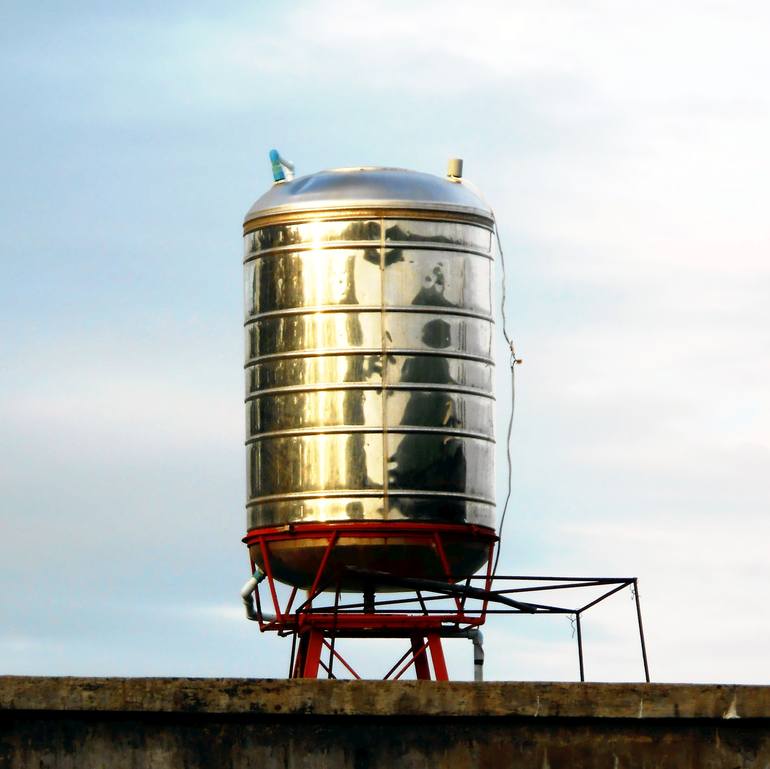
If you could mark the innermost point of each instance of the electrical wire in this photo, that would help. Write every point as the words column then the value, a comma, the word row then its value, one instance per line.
column 513, row 362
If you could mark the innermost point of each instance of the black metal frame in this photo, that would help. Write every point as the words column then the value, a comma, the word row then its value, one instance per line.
column 465, row 595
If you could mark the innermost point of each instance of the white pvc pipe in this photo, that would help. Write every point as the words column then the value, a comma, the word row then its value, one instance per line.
column 247, row 591
column 477, row 638
column 478, row 654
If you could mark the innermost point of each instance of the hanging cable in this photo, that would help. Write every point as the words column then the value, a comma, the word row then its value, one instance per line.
column 514, row 361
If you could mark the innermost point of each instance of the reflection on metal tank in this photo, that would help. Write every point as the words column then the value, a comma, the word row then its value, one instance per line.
column 369, row 373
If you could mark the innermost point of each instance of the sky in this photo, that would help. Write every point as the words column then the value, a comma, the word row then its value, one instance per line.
column 624, row 148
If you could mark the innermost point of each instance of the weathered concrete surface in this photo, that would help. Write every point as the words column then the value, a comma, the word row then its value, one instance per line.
column 76, row 723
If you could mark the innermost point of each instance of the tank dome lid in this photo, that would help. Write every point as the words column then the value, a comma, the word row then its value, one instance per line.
column 379, row 188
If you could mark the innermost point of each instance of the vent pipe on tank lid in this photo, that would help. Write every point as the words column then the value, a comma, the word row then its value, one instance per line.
column 281, row 167
column 455, row 169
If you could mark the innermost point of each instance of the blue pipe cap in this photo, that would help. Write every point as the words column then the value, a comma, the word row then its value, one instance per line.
column 275, row 162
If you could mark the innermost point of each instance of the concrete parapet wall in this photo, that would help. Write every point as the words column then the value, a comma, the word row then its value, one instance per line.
column 165, row 723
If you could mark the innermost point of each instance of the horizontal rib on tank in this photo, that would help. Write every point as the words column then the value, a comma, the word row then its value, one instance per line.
column 369, row 372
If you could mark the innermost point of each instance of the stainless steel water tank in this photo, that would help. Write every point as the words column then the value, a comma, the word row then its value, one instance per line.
column 369, row 370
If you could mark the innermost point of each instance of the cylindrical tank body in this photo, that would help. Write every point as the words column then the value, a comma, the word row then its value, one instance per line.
column 369, row 371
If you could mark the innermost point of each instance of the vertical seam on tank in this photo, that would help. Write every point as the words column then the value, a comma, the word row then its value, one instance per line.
column 384, row 374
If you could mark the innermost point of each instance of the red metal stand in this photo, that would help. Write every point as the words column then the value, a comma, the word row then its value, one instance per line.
column 316, row 629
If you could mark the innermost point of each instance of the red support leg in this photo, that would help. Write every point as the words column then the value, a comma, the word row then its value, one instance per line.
column 437, row 655
column 312, row 657
column 270, row 581
column 488, row 580
column 421, row 667
column 322, row 566
column 439, row 545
